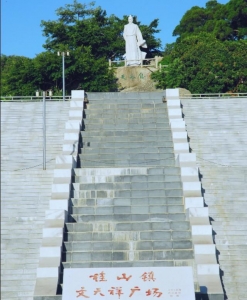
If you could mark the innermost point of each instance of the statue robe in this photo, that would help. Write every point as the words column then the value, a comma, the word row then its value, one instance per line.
column 133, row 40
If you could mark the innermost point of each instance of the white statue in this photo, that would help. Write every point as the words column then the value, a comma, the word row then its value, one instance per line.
column 133, row 41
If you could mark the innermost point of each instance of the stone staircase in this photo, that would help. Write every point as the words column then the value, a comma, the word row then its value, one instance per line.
column 217, row 131
column 127, row 207
column 128, row 204
column 26, row 189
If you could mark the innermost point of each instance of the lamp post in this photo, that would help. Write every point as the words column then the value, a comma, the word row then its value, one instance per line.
column 63, row 63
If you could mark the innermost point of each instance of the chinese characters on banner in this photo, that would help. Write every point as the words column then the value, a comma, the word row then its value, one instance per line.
column 146, row 276
column 128, row 283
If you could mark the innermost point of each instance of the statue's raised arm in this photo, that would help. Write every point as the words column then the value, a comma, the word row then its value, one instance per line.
column 133, row 41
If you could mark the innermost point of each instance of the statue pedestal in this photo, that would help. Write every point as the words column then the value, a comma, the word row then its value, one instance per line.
column 135, row 78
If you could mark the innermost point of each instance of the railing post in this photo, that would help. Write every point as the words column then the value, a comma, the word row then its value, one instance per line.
column 156, row 62
column 44, row 133
column 63, row 54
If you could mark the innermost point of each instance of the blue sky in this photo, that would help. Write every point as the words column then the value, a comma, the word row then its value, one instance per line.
column 22, row 35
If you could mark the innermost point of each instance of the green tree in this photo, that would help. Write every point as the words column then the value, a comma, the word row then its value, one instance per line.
column 90, row 74
column 85, row 25
column 203, row 64
column 82, row 70
column 226, row 22
column 18, row 76
column 48, row 71
column 90, row 36
column 237, row 17
column 210, row 52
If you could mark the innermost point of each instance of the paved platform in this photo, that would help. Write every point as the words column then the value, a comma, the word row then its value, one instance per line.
column 26, row 189
column 217, row 132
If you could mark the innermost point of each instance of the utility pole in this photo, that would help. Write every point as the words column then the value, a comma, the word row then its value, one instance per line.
column 63, row 54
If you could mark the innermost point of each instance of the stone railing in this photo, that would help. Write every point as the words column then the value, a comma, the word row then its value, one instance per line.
column 148, row 62
column 213, row 95
column 32, row 98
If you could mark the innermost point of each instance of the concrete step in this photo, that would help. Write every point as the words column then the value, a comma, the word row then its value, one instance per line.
column 125, row 126
column 112, row 147
column 128, row 133
column 82, row 246
column 123, row 142
column 103, row 194
column 123, row 264
column 115, row 157
column 125, row 118
column 128, row 218
column 101, row 202
column 125, row 256
column 228, row 210
column 234, row 254
column 130, row 179
column 126, row 102
column 140, row 116
column 123, row 103
column 123, row 226
column 164, row 135
column 161, row 120
column 227, row 226
column 124, row 163
column 107, row 150
column 134, row 186
column 118, row 105
column 227, row 218
column 135, row 173
column 111, row 210
column 237, row 268
column 154, row 235
column 102, row 141
column 232, row 247
column 230, row 233
column 110, row 142
column 128, row 113
column 126, row 144
column 129, row 97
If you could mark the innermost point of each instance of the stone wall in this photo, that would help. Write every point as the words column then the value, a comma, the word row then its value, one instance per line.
column 135, row 79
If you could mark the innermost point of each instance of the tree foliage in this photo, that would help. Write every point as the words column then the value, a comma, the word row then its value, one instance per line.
column 225, row 22
column 18, row 76
column 90, row 36
column 85, row 25
column 203, row 64
column 210, row 53
column 208, row 56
